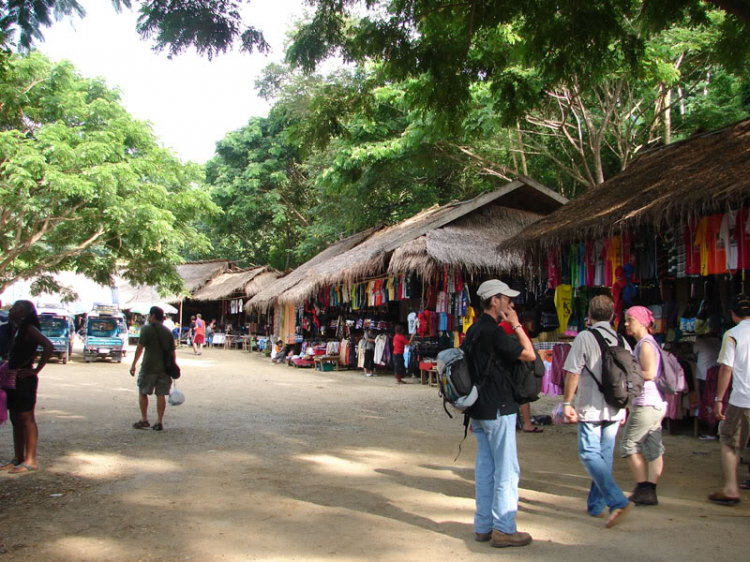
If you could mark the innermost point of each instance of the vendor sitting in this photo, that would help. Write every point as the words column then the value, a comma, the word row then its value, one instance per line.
column 278, row 353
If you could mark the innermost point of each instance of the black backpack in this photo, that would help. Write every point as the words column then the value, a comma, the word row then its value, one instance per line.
column 621, row 375
column 526, row 378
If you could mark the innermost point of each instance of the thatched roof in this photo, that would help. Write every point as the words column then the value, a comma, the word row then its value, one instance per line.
column 470, row 242
column 700, row 175
column 371, row 255
column 235, row 284
column 196, row 274
column 131, row 295
column 266, row 297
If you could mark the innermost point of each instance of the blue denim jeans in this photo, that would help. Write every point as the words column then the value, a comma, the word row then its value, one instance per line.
column 596, row 444
column 496, row 474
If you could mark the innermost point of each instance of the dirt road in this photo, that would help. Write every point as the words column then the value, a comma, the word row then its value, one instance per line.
column 266, row 462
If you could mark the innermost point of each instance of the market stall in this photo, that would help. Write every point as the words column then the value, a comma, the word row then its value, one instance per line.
column 670, row 233
column 419, row 273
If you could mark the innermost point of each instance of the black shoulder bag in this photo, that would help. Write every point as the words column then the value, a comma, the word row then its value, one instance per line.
column 170, row 365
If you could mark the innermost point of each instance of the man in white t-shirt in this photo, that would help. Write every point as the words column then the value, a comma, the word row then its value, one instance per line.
column 734, row 359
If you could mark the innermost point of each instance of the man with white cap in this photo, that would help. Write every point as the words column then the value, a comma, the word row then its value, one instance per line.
column 493, row 416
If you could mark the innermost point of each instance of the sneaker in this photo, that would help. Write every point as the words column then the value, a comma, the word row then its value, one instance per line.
column 503, row 540
column 644, row 495
column 708, row 437
column 370, row 375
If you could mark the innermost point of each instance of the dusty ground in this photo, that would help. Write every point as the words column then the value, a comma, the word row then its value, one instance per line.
column 266, row 462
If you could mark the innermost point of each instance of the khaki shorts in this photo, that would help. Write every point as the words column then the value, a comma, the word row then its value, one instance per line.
column 737, row 423
column 148, row 383
column 643, row 432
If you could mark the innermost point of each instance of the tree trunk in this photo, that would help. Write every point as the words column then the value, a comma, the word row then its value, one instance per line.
column 666, row 118
column 513, row 151
column 520, row 147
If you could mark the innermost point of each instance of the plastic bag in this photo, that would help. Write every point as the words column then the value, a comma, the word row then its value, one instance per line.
column 176, row 396
column 557, row 415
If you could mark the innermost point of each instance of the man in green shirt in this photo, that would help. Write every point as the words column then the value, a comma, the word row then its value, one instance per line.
column 155, row 340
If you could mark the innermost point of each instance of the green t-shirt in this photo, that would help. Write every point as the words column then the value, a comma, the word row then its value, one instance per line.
column 153, row 360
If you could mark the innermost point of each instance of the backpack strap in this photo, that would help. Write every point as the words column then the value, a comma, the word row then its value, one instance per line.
column 602, row 347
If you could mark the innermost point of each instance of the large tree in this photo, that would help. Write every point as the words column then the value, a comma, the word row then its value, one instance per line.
column 456, row 45
column 210, row 26
column 84, row 186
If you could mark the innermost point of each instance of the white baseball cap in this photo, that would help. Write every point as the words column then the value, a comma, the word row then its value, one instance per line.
column 493, row 287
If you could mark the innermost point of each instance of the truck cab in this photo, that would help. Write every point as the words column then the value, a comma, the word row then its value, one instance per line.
column 57, row 325
column 102, row 334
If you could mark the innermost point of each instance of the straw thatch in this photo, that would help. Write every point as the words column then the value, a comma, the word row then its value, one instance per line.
column 700, row 175
column 470, row 242
column 267, row 296
column 235, row 284
column 370, row 256
column 131, row 295
column 197, row 274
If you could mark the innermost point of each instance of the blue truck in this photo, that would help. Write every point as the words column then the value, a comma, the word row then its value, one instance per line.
column 57, row 324
column 102, row 334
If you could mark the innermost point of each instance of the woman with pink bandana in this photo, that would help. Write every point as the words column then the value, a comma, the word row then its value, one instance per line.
column 641, row 444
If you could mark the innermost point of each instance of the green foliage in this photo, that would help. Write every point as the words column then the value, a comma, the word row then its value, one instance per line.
column 255, row 179
column 519, row 47
column 84, row 186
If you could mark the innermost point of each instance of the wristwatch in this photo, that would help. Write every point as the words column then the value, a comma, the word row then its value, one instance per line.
column 717, row 399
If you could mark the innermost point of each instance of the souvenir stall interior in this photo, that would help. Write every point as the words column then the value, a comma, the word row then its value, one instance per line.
column 327, row 330
column 686, row 276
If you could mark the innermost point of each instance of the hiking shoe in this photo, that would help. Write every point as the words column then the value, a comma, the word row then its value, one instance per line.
column 644, row 494
column 503, row 540
column 482, row 537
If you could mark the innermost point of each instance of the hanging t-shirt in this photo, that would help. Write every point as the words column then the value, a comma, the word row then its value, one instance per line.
column 727, row 235
column 590, row 264
column 468, row 319
column 719, row 253
column 614, row 259
column 692, row 248
column 442, row 322
column 742, row 236
column 573, row 264
column 713, row 252
column 581, row 265
column 412, row 322
column 701, row 240
column 553, row 269
column 564, row 304
column 600, row 263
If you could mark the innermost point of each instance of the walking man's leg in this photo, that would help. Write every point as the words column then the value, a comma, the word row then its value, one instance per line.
column 596, row 443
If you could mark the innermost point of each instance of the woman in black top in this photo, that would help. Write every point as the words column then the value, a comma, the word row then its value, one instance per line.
column 26, row 338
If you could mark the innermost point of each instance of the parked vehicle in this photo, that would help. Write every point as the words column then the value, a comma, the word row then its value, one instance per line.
column 102, row 334
column 122, row 333
column 57, row 325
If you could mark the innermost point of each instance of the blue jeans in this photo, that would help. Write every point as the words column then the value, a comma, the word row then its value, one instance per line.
column 496, row 474
column 596, row 444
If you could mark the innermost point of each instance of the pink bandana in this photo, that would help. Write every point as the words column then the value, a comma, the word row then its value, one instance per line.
column 642, row 314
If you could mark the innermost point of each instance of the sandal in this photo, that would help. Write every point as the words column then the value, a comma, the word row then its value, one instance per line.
column 141, row 425
column 745, row 485
column 22, row 468
column 10, row 465
column 723, row 499
column 157, row 427
column 535, row 430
